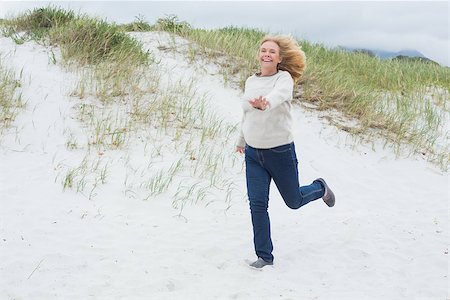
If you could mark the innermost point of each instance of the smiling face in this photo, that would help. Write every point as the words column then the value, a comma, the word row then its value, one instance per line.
column 269, row 57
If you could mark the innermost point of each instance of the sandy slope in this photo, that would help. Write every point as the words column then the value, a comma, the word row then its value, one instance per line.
column 387, row 237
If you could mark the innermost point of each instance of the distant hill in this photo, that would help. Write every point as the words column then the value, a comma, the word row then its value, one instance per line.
column 388, row 54
column 406, row 54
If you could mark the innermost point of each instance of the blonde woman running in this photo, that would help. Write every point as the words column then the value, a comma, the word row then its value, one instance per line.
column 267, row 140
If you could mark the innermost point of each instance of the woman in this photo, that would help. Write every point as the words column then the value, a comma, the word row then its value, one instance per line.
column 267, row 139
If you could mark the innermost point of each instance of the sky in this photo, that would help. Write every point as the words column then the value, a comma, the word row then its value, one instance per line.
column 382, row 25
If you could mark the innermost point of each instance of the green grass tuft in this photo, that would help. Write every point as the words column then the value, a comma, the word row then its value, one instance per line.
column 113, row 58
column 172, row 24
column 39, row 21
column 139, row 25
column 91, row 41
column 81, row 38
column 10, row 97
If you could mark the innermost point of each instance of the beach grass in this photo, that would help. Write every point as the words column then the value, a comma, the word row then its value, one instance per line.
column 138, row 25
column 172, row 24
column 82, row 38
column 11, row 101
column 114, row 70
column 38, row 22
column 403, row 102
column 111, row 66
column 219, row 45
column 109, row 56
column 91, row 41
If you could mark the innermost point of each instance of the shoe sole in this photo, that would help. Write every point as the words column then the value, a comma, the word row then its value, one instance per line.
column 248, row 262
column 330, row 192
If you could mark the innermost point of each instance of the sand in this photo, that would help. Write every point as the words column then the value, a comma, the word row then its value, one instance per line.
column 386, row 238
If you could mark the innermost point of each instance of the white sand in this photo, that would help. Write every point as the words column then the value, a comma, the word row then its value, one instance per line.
column 386, row 238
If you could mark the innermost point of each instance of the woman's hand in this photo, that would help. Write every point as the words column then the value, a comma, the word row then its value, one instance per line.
column 240, row 149
column 259, row 103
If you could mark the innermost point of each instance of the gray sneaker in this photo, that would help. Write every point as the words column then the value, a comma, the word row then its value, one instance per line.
column 328, row 197
column 260, row 263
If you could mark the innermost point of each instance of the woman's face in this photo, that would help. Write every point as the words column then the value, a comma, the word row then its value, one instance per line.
column 269, row 55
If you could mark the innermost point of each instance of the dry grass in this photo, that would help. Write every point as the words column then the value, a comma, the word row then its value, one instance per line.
column 403, row 102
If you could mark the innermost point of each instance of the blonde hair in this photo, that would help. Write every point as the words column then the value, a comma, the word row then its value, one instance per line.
column 293, row 58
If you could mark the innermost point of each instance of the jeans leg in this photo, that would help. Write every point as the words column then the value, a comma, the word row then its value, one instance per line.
column 283, row 166
column 258, row 183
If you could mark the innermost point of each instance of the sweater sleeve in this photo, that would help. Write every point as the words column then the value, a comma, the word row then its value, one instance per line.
column 246, row 106
column 241, row 141
column 282, row 91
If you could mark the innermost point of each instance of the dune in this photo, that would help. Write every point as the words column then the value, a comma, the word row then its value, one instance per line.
column 386, row 238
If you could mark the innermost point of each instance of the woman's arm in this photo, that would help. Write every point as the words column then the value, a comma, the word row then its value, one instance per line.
column 241, row 141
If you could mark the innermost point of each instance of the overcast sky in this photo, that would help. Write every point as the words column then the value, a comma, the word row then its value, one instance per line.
column 384, row 25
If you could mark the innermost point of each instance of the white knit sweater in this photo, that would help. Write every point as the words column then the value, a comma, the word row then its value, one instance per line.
column 272, row 127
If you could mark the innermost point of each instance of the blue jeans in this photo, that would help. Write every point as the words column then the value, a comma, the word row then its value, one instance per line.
column 279, row 164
